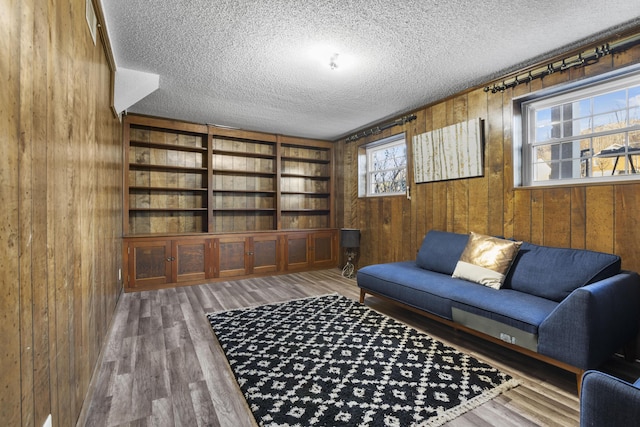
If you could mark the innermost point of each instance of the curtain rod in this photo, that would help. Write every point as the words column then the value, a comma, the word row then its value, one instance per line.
column 380, row 128
column 587, row 57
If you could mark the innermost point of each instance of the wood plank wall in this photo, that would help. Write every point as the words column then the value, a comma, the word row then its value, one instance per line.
column 597, row 217
column 60, row 214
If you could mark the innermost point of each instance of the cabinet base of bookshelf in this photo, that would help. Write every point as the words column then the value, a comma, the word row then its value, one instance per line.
column 160, row 262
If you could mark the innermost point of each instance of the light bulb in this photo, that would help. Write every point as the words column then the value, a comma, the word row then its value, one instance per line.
column 333, row 61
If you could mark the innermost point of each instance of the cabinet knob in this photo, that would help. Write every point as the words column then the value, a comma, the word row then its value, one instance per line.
column 171, row 259
column 249, row 253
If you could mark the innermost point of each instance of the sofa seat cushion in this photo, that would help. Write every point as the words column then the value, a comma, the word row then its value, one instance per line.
column 517, row 309
column 554, row 273
column 414, row 286
column 441, row 250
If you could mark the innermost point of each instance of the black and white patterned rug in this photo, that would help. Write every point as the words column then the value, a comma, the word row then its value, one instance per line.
column 330, row 361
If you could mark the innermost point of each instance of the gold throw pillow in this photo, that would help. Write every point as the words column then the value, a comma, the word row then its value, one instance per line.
column 486, row 260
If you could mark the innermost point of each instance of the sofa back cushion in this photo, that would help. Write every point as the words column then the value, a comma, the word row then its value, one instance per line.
column 554, row 273
column 441, row 250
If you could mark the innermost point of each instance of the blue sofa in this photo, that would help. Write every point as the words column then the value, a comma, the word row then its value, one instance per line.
column 608, row 401
column 569, row 307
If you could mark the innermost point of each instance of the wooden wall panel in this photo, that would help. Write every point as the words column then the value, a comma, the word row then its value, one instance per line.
column 418, row 209
column 627, row 222
column 61, row 198
column 460, row 188
column 36, row 226
column 440, row 206
column 478, row 187
column 557, row 217
column 599, row 225
column 10, row 316
column 597, row 217
column 522, row 215
column 537, row 216
column 425, row 199
column 578, row 218
column 494, row 158
column 29, row 344
column 507, row 161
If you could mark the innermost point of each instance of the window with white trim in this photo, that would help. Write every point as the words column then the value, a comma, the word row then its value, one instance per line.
column 586, row 134
column 383, row 167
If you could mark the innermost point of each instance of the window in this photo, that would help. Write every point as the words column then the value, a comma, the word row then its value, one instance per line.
column 586, row 134
column 383, row 167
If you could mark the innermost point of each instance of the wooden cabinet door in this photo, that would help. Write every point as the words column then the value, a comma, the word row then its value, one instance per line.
column 265, row 253
column 323, row 249
column 191, row 259
column 149, row 263
column 296, row 254
column 231, row 256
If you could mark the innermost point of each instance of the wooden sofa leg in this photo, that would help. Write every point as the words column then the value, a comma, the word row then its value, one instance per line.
column 579, row 378
column 362, row 294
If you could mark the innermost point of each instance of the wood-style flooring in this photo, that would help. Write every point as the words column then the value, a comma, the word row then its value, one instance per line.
column 162, row 366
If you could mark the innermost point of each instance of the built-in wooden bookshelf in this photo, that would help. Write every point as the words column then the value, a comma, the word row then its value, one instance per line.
column 305, row 185
column 244, row 182
column 166, row 180
column 204, row 202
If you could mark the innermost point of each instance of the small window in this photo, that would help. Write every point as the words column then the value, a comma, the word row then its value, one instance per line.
column 590, row 133
column 383, row 167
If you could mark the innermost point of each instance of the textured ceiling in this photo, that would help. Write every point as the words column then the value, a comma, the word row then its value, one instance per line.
column 264, row 65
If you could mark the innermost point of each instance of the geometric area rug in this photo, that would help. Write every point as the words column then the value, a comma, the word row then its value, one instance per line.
column 331, row 361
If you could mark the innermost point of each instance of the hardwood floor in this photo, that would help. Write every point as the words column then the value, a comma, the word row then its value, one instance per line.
column 162, row 366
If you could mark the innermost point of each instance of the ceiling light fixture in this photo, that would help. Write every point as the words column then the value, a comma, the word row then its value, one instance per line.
column 333, row 61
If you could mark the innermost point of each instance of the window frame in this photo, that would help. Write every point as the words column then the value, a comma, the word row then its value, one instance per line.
column 524, row 131
column 365, row 153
